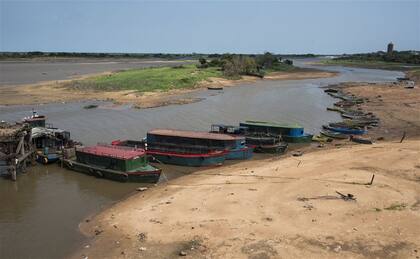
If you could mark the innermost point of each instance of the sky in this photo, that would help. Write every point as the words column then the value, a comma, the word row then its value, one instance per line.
column 284, row 27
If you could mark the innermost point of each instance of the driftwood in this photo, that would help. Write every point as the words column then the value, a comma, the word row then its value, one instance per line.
column 348, row 197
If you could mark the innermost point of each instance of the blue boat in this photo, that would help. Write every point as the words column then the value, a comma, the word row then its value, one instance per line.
column 49, row 143
column 46, row 157
column 349, row 131
column 238, row 150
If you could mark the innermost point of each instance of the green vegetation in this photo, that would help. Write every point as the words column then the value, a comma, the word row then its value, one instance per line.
column 230, row 66
column 397, row 60
column 149, row 79
column 369, row 64
column 234, row 65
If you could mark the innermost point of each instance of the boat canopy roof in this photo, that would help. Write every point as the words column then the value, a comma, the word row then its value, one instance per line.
column 193, row 134
column 41, row 131
column 272, row 124
column 119, row 152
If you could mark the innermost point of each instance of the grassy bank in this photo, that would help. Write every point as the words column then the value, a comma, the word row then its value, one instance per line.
column 160, row 78
column 148, row 79
column 369, row 64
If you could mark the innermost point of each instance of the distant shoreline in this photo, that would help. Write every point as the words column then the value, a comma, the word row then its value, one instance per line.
column 369, row 64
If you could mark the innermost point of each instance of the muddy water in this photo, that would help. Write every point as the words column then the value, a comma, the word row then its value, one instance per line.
column 39, row 213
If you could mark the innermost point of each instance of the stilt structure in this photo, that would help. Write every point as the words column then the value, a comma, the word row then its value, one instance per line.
column 16, row 149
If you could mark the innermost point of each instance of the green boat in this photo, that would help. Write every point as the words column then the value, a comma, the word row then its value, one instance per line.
column 123, row 164
column 292, row 133
column 305, row 138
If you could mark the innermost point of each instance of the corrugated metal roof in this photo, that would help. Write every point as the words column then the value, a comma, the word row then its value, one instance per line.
column 113, row 151
column 193, row 134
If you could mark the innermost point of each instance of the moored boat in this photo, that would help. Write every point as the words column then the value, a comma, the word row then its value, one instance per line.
column 116, row 163
column 211, row 158
column 331, row 90
column 49, row 143
column 35, row 120
column 332, row 134
column 305, row 138
column 361, row 140
column 292, row 133
column 277, row 148
column 46, row 157
column 266, row 143
column 215, row 88
column 345, row 130
column 195, row 148
column 321, row 138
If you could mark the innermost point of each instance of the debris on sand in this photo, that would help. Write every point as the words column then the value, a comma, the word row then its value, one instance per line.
column 142, row 237
column 297, row 153
column 141, row 189
column 347, row 197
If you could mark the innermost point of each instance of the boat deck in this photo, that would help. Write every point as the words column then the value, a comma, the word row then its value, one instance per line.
column 119, row 152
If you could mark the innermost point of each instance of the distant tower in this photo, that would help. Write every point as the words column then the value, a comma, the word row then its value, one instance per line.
column 390, row 48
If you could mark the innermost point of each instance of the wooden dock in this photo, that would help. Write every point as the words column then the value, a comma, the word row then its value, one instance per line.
column 16, row 149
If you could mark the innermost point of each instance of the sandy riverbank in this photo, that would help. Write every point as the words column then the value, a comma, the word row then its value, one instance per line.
column 54, row 91
column 275, row 208
column 284, row 207
column 397, row 107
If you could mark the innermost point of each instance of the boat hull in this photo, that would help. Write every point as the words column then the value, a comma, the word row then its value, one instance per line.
column 307, row 138
column 47, row 159
column 240, row 154
column 335, row 135
column 271, row 149
column 346, row 130
column 195, row 160
column 146, row 174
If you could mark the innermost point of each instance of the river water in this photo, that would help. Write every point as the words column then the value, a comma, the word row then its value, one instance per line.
column 40, row 213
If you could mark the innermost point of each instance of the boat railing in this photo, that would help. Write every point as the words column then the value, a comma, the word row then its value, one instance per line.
column 128, row 148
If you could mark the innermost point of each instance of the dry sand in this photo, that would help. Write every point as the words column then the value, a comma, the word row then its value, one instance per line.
column 284, row 207
column 53, row 91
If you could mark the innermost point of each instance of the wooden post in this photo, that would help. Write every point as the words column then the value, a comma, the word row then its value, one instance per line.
column 22, row 153
column 371, row 180
column 403, row 137
column 14, row 171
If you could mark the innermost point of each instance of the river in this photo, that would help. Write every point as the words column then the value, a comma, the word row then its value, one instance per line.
column 40, row 212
